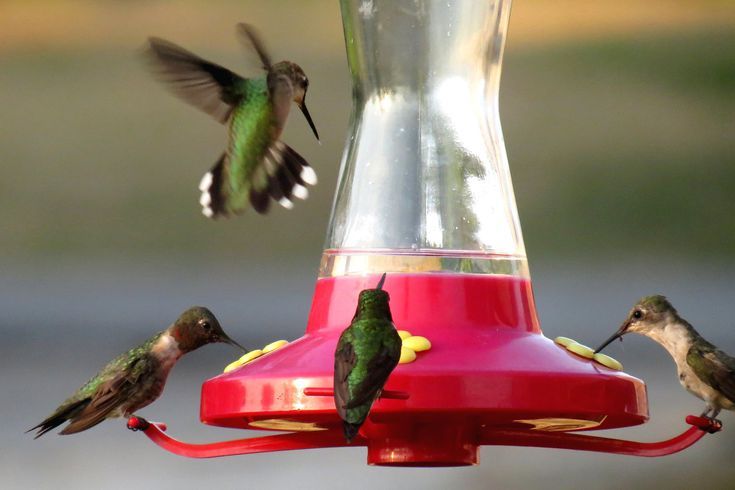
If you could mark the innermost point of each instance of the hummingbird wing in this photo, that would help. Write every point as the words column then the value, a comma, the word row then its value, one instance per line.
column 113, row 395
column 206, row 85
column 344, row 362
column 714, row 367
column 379, row 369
column 249, row 34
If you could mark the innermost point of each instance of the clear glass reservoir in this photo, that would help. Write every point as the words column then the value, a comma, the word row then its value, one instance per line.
column 424, row 184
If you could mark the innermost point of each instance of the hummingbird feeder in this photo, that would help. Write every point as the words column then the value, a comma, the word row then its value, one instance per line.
column 425, row 195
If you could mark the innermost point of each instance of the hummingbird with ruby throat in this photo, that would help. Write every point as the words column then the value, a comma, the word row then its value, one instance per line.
column 704, row 370
column 367, row 352
column 136, row 378
column 256, row 166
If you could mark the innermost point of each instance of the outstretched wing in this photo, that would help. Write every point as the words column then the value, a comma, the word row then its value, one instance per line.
column 112, row 395
column 250, row 35
column 714, row 367
column 206, row 85
column 344, row 362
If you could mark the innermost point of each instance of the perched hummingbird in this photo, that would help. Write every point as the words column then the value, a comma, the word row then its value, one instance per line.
column 367, row 352
column 136, row 378
column 704, row 370
column 256, row 165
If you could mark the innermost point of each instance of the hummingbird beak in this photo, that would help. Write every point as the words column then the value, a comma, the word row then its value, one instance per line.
column 617, row 335
column 381, row 282
column 305, row 111
column 227, row 340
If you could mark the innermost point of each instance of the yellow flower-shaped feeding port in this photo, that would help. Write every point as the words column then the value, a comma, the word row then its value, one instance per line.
column 411, row 345
column 254, row 354
column 587, row 353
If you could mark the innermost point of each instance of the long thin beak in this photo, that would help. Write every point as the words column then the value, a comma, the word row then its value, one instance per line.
column 381, row 282
column 616, row 335
column 227, row 340
column 305, row 111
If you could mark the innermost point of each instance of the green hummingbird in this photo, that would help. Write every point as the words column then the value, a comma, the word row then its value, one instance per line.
column 136, row 378
column 367, row 352
column 256, row 166
column 704, row 370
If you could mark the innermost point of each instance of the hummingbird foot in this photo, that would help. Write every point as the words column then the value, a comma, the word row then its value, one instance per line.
column 715, row 425
column 136, row 423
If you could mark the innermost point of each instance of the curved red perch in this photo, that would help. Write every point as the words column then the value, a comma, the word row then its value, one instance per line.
column 334, row 438
column 579, row 442
column 282, row 442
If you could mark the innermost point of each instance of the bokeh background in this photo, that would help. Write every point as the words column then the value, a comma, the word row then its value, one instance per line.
column 619, row 119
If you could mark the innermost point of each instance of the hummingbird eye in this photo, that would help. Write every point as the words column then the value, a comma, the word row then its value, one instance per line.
column 206, row 326
column 637, row 314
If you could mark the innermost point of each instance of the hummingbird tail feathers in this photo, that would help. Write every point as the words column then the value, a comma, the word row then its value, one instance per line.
column 61, row 415
column 283, row 175
column 212, row 199
column 350, row 430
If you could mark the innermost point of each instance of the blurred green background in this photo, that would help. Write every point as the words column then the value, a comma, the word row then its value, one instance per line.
column 620, row 138
column 619, row 119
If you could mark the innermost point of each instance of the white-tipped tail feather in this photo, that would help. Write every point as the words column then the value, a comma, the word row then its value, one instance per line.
column 299, row 191
column 308, row 175
column 286, row 203
column 206, row 198
column 205, row 182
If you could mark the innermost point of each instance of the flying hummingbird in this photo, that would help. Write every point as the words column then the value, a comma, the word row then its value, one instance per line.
column 256, row 165
column 367, row 352
column 136, row 378
column 704, row 370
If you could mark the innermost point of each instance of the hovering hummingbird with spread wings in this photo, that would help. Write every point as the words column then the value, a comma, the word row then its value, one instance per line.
column 136, row 378
column 256, row 165
column 704, row 370
column 367, row 352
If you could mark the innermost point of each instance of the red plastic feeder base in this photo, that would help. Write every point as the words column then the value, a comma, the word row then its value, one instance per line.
column 489, row 370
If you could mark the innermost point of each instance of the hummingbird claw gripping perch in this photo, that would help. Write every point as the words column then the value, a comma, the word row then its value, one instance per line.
column 138, row 423
column 705, row 424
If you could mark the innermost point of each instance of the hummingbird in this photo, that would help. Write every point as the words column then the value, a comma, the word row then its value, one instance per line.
column 367, row 352
column 136, row 378
column 256, row 166
column 704, row 370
